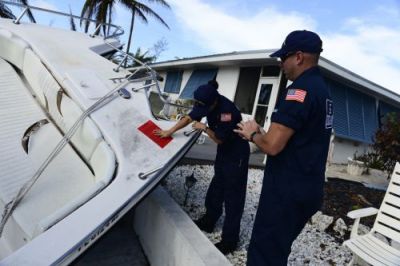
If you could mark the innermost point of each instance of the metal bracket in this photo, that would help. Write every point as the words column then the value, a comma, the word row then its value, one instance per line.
column 146, row 174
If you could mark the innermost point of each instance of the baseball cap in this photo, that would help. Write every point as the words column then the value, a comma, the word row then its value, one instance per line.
column 300, row 40
column 205, row 96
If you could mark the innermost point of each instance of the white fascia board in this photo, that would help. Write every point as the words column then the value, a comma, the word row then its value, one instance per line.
column 231, row 58
column 346, row 74
column 218, row 58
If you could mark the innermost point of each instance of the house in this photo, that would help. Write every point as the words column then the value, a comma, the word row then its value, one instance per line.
column 253, row 80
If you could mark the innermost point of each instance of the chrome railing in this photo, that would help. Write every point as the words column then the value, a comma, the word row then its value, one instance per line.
column 118, row 31
column 152, row 76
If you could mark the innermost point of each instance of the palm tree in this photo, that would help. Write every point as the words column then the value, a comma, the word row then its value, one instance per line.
column 71, row 20
column 143, row 57
column 97, row 9
column 5, row 12
column 101, row 11
column 142, row 11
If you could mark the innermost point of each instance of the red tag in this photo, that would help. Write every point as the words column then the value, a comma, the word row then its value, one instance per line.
column 148, row 129
column 226, row 117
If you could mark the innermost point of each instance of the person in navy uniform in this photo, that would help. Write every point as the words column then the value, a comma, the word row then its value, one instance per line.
column 228, row 186
column 297, row 148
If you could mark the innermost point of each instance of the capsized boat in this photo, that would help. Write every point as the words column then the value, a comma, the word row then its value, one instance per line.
column 77, row 143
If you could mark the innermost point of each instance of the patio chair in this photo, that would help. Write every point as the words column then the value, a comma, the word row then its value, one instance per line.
column 369, row 247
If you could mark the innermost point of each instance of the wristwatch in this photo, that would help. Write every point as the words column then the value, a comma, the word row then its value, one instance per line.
column 252, row 136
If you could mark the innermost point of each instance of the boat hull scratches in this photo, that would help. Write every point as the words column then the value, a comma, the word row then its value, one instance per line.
column 91, row 238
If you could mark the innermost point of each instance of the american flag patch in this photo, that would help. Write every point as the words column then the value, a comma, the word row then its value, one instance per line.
column 296, row 95
column 226, row 117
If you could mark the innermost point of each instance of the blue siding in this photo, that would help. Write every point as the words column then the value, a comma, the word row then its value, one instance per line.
column 355, row 114
column 198, row 77
column 173, row 82
column 340, row 117
column 370, row 117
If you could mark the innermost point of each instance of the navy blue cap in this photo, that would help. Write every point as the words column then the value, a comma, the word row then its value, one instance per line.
column 205, row 95
column 300, row 40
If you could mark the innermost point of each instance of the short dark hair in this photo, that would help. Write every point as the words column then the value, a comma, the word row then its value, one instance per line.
column 213, row 83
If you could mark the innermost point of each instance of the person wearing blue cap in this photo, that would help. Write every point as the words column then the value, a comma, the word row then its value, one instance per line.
column 297, row 147
column 228, row 186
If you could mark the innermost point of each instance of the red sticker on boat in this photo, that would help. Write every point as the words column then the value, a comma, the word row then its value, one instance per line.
column 148, row 129
column 226, row 117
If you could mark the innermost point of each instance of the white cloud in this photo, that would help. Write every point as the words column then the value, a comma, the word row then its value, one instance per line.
column 221, row 32
column 371, row 51
column 43, row 4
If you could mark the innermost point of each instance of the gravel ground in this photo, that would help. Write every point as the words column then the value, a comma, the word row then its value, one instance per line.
column 320, row 242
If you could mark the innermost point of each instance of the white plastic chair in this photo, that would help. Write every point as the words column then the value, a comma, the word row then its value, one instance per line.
column 387, row 223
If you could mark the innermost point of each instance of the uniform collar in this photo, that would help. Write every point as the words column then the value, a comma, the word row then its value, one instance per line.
column 310, row 71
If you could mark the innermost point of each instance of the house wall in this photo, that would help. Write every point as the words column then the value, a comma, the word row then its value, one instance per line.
column 344, row 148
column 227, row 79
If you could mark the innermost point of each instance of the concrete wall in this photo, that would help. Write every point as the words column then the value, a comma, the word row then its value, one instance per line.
column 346, row 148
column 169, row 237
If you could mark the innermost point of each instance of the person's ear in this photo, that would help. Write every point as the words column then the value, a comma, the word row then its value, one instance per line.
column 299, row 58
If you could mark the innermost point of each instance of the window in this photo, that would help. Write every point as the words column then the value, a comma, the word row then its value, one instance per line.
column 384, row 109
column 247, row 88
column 355, row 115
column 262, row 104
column 198, row 77
column 173, row 82
column 271, row 71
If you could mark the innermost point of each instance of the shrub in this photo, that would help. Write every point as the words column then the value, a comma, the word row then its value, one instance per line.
column 386, row 146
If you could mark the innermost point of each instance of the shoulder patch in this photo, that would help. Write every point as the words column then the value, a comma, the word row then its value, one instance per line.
column 329, row 114
column 296, row 95
column 226, row 117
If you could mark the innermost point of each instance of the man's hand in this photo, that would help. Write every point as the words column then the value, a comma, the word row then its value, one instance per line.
column 198, row 125
column 246, row 128
column 163, row 133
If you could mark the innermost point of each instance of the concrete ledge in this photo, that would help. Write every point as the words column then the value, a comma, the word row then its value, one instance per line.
column 169, row 237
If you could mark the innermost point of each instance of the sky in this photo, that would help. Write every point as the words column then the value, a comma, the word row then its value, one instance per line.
column 362, row 36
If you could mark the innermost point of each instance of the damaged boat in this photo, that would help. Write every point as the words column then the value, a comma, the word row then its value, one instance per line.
column 77, row 143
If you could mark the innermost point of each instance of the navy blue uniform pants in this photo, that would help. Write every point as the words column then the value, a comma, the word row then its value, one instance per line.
column 281, row 216
column 228, row 187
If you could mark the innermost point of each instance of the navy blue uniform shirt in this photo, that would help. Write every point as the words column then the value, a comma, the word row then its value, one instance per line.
column 306, row 107
column 222, row 120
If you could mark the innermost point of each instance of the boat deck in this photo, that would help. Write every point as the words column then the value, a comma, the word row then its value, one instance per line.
column 62, row 187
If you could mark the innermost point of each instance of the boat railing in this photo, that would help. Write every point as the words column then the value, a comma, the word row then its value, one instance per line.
column 119, row 90
column 153, row 76
column 118, row 31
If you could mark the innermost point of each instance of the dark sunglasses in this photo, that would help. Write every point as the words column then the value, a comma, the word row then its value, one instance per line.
column 286, row 56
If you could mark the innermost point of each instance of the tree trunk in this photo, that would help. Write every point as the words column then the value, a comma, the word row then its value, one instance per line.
column 109, row 20
column 130, row 32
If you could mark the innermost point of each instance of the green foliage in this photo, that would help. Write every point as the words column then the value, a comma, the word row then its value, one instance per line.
column 356, row 207
column 371, row 160
column 386, row 144
column 148, row 57
column 71, row 21
column 139, row 55
column 102, row 11
column 6, row 12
